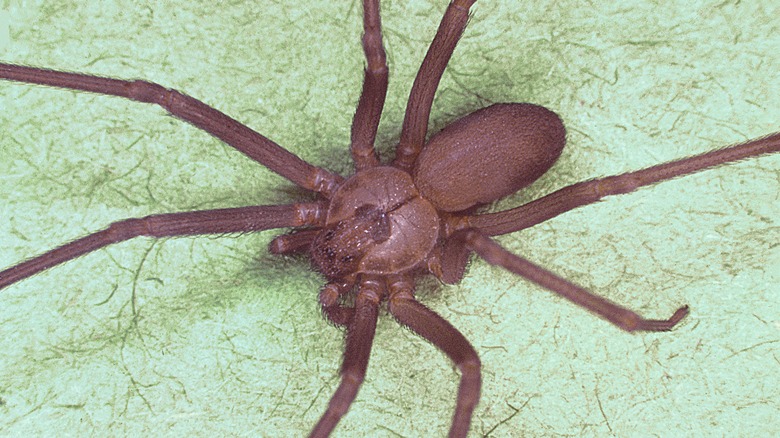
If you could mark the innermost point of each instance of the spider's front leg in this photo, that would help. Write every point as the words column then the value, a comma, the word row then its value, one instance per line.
column 360, row 337
column 189, row 109
column 221, row 221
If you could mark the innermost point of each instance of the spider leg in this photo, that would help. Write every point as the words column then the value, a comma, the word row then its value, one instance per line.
column 372, row 99
column 227, row 220
column 360, row 336
column 294, row 243
column 438, row 331
column 588, row 192
column 624, row 318
column 448, row 261
column 335, row 312
column 189, row 109
column 418, row 109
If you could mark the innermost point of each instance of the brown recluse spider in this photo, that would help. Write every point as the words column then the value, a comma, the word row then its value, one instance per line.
column 373, row 233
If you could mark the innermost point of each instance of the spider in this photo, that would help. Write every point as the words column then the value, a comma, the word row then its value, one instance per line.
column 444, row 256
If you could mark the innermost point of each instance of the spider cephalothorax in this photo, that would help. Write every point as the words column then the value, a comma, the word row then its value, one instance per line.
column 377, row 223
column 370, row 235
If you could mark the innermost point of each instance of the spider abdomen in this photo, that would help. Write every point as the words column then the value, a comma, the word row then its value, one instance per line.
column 378, row 223
column 488, row 154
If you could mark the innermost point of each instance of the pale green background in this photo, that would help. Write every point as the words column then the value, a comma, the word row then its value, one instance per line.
column 229, row 340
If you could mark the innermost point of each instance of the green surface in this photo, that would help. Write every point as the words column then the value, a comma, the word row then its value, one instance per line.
column 229, row 340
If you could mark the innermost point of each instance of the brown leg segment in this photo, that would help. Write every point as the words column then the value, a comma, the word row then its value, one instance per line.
column 418, row 109
column 332, row 309
column 296, row 242
column 216, row 123
column 588, row 192
column 432, row 327
column 227, row 220
column 627, row 320
column 360, row 336
column 372, row 99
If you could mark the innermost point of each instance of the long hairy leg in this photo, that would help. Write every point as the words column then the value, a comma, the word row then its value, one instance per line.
column 372, row 99
column 624, row 318
column 221, row 221
column 438, row 331
column 418, row 109
column 589, row 192
column 189, row 109
column 360, row 337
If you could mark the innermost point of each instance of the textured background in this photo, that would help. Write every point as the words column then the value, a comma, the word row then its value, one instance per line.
column 228, row 340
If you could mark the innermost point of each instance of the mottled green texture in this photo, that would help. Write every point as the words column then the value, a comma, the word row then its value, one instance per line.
column 229, row 341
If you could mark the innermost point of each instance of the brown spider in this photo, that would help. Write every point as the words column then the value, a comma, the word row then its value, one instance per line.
column 438, row 242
